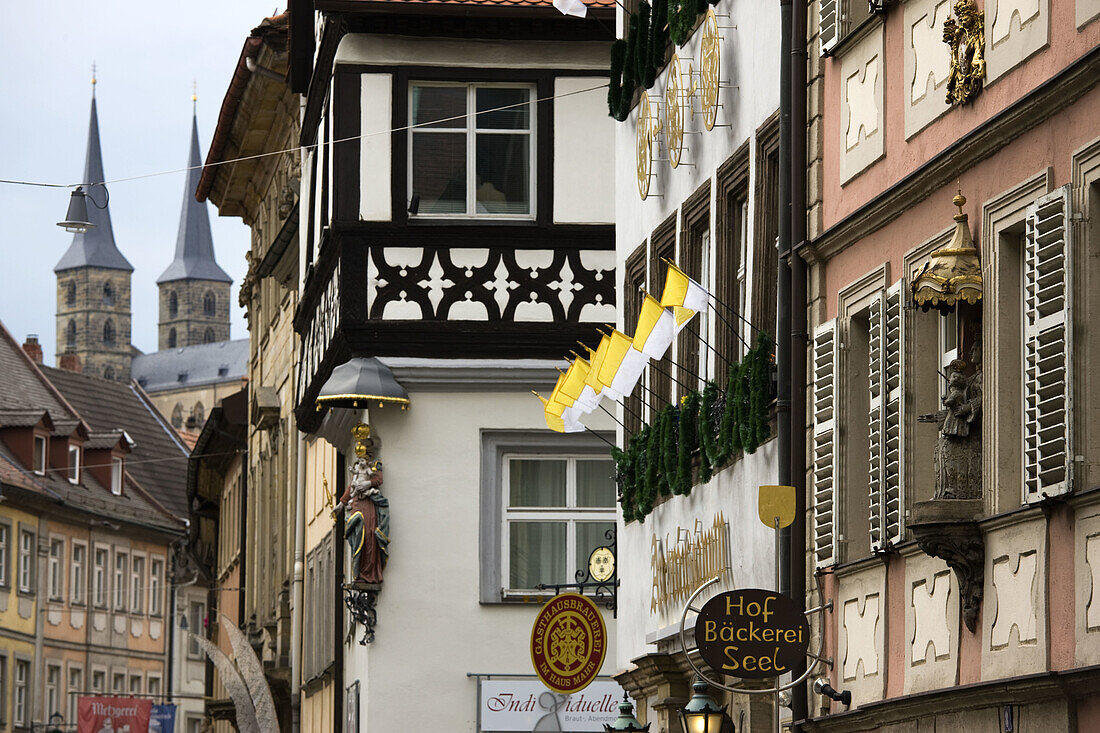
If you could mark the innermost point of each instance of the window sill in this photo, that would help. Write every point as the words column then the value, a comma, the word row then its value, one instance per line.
column 470, row 220
column 853, row 36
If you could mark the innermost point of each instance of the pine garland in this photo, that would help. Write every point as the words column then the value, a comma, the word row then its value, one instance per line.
column 681, row 19
column 637, row 58
column 689, row 433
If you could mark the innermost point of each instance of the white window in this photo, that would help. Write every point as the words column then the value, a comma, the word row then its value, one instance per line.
column 557, row 509
column 472, row 150
column 53, row 689
column 74, row 464
column 22, row 679
column 118, row 683
column 5, row 534
column 57, row 558
column 39, row 454
column 949, row 345
column 26, row 561
column 156, row 572
column 76, row 573
column 135, row 684
column 152, row 686
column 116, row 476
column 99, row 681
column 76, row 689
column 196, row 625
column 838, row 18
column 99, row 578
column 121, row 564
column 137, row 585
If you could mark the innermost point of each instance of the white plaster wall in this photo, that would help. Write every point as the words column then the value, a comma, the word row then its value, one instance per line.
column 731, row 492
column 376, row 119
column 750, row 61
column 431, row 628
column 584, row 143
column 364, row 48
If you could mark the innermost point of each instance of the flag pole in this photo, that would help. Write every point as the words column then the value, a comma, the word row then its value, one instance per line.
column 612, row 415
column 712, row 296
column 653, row 363
column 590, row 430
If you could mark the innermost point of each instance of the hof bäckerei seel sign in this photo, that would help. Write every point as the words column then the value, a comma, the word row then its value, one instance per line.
column 752, row 633
column 568, row 643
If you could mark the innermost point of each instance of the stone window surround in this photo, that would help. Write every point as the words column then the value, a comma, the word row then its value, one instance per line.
column 494, row 444
column 6, row 555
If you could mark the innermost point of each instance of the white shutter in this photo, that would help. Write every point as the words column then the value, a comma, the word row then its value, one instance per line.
column 876, row 385
column 1047, row 351
column 884, row 417
column 828, row 16
column 824, row 444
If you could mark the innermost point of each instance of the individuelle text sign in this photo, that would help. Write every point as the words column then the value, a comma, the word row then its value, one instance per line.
column 516, row 706
column 568, row 643
column 752, row 633
column 113, row 715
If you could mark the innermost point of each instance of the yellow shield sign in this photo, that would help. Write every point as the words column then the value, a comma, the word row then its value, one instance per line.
column 776, row 504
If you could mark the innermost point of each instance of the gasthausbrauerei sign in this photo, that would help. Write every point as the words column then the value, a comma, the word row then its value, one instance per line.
column 752, row 633
column 518, row 705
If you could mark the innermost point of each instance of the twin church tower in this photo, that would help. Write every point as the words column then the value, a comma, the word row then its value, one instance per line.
column 93, row 280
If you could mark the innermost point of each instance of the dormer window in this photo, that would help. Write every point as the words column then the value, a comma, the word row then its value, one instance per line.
column 74, row 464
column 40, row 455
column 116, row 476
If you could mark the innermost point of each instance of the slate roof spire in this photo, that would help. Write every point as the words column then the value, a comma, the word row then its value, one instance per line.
column 194, row 258
column 95, row 247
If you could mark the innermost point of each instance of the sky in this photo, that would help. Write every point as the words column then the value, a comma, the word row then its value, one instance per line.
column 147, row 54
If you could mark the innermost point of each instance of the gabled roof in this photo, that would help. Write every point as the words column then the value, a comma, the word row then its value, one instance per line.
column 95, row 247
column 191, row 366
column 157, row 459
column 194, row 258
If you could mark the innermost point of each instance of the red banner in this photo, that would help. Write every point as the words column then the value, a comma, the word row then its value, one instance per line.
column 113, row 715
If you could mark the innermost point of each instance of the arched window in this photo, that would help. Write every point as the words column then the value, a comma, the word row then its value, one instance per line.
column 171, row 338
column 70, row 335
column 173, row 304
column 177, row 415
column 208, row 336
column 109, row 333
column 108, row 294
column 209, row 304
column 70, row 294
column 108, row 372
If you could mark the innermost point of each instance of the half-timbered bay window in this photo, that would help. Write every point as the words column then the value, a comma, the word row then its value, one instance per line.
column 557, row 510
column 471, row 150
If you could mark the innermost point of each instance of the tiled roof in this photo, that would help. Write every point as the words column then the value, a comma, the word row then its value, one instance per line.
column 24, row 418
column 199, row 364
column 158, row 459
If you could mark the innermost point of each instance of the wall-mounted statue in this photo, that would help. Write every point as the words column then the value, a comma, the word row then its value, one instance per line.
column 367, row 520
column 958, row 454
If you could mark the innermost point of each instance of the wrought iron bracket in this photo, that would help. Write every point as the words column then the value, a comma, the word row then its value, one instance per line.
column 606, row 591
column 361, row 599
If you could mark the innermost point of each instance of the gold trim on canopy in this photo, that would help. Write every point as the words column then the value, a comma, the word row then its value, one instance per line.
column 953, row 272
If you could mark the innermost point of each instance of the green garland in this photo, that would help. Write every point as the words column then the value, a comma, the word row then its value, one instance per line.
column 681, row 19
column 636, row 58
column 658, row 458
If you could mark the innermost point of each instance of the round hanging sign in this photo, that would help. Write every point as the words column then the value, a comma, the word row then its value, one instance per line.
column 568, row 643
column 601, row 564
column 752, row 633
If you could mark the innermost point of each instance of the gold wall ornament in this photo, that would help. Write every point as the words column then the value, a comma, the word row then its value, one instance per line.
column 646, row 130
column 694, row 557
column 674, row 112
column 953, row 272
column 710, row 65
column 964, row 33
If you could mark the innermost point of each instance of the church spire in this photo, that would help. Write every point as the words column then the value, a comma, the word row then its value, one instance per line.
column 194, row 258
column 95, row 247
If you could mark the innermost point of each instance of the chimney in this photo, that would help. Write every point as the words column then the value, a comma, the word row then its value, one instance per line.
column 69, row 362
column 33, row 348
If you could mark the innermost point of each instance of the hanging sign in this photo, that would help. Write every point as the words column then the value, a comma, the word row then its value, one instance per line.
column 568, row 643
column 98, row 714
column 776, row 504
column 509, row 705
column 752, row 633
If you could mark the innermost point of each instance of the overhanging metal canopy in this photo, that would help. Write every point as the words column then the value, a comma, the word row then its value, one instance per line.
column 359, row 382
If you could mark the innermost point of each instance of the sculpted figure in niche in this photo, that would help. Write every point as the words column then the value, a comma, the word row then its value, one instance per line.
column 367, row 521
column 958, row 451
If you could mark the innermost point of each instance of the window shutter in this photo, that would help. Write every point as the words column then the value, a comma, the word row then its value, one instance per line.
column 827, row 19
column 1048, row 357
column 824, row 444
column 884, row 418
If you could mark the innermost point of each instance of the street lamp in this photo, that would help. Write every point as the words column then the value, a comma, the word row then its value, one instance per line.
column 76, row 218
column 702, row 714
column 626, row 720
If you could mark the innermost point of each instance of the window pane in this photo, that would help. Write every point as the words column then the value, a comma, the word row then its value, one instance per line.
column 536, row 483
column 430, row 104
column 536, row 554
column 591, row 535
column 503, row 174
column 512, row 118
column 439, row 172
column 595, row 483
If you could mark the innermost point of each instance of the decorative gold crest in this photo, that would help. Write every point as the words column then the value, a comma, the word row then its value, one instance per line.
column 644, row 145
column 965, row 34
column 601, row 564
column 674, row 112
column 710, row 63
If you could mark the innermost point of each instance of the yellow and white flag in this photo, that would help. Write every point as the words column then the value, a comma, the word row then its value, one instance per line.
column 559, row 417
column 656, row 328
column 681, row 290
column 576, row 386
column 683, row 317
column 622, row 366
